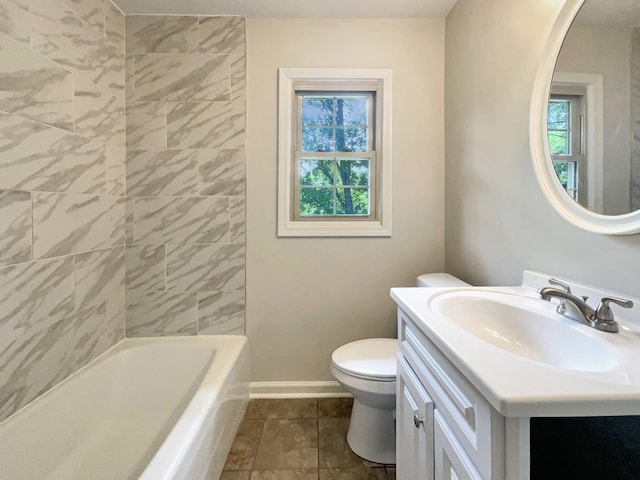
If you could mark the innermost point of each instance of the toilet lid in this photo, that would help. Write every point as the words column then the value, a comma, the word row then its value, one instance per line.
column 371, row 358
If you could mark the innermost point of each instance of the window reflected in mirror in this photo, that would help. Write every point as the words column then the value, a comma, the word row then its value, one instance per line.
column 566, row 135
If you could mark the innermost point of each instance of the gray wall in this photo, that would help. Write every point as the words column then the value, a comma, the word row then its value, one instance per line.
column 307, row 296
column 185, row 175
column 497, row 221
column 62, row 205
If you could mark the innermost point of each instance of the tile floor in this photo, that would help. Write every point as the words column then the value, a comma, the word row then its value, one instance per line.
column 298, row 439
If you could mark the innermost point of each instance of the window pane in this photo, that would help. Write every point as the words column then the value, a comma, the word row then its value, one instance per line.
column 558, row 115
column 317, row 140
column 351, row 139
column 352, row 201
column 561, row 169
column 353, row 172
column 316, row 201
column 316, row 172
column 351, row 111
column 567, row 173
column 559, row 143
column 317, row 111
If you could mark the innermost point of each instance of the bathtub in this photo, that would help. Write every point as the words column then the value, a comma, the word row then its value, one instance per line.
column 148, row 409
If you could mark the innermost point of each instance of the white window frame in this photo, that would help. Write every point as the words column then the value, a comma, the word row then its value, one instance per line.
column 291, row 79
column 593, row 84
column 576, row 156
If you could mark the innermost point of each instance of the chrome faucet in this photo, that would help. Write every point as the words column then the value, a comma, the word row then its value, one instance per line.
column 601, row 318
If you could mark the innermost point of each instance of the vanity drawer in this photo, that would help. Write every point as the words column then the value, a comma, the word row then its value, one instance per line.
column 476, row 425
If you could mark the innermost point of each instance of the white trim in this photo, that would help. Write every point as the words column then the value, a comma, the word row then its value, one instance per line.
column 327, row 389
column 291, row 228
column 594, row 86
column 570, row 210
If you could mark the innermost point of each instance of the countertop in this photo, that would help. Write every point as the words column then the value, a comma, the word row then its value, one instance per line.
column 519, row 387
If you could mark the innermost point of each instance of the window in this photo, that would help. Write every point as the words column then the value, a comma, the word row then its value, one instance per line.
column 565, row 128
column 334, row 153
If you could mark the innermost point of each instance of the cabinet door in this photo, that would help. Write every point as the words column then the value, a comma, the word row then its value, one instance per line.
column 414, row 426
column 451, row 462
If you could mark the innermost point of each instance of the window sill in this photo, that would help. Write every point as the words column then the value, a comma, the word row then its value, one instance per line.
column 289, row 228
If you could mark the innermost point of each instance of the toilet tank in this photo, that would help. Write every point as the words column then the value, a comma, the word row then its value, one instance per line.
column 439, row 280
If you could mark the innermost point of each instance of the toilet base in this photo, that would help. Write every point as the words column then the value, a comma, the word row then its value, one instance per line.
column 372, row 433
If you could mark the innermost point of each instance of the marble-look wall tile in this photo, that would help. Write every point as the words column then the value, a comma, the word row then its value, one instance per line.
column 114, row 25
column 34, row 156
column 106, row 68
column 129, row 74
column 163, row 172
column 50, row 353
column 99, row 275
column 99, row 115
column 65, row 224
column 180, row 77
column 16, row 232
column 100, row 279
column 91, row 11
column 162, row 313
column 60, row 35
column 128, row 231
column 161, row 34
column 14, row 19
column 238, row 78
column 222, row 35
column 62, row 150
column 198, row 268
column 31, row 293
column 146, row 267
column 185, row 88
column 237, row 219
column 221, row 313
column 33, row 87
column 146, row 125
column 116, row 170
column 205, row 125
column 221, row 172
column 181, row 220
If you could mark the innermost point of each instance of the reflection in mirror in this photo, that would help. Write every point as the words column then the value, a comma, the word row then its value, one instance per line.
column 593, row 115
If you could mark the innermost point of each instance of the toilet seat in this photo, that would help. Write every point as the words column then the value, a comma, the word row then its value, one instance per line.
column 370, row 359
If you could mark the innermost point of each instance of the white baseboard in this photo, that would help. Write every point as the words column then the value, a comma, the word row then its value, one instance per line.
column 328, row 389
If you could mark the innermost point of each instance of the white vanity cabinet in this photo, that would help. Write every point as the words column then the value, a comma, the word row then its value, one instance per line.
column 445, row 428
column 414, row 426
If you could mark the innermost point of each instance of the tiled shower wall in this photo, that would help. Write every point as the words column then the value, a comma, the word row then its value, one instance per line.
column 62, row 191
column 185, row 175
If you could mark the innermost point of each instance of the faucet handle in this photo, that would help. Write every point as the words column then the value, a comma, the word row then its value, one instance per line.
column 562, row 285
column 604, row 313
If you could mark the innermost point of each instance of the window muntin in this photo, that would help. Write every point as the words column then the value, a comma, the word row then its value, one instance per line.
column 335, row 158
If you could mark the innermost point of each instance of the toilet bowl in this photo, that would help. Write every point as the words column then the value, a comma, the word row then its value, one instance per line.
column 367, row 370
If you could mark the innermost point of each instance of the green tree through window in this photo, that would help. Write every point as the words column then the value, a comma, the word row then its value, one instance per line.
column 338, row 184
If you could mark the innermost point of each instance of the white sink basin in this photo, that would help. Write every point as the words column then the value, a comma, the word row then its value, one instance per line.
column 526, row 327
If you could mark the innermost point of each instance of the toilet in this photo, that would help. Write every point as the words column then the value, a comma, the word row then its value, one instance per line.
column 367, row 370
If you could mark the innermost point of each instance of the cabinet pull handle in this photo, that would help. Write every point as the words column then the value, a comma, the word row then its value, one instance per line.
column 417, row 421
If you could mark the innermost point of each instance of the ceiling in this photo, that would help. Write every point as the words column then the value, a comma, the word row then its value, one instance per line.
column 292, row 8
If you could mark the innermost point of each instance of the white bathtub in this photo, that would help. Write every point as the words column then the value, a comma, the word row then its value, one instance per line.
column 148, row 409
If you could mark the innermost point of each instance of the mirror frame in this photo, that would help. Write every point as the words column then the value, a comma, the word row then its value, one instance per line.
column 569, row 209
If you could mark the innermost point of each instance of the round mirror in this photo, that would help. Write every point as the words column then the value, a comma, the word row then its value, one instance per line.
column 585, row 116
